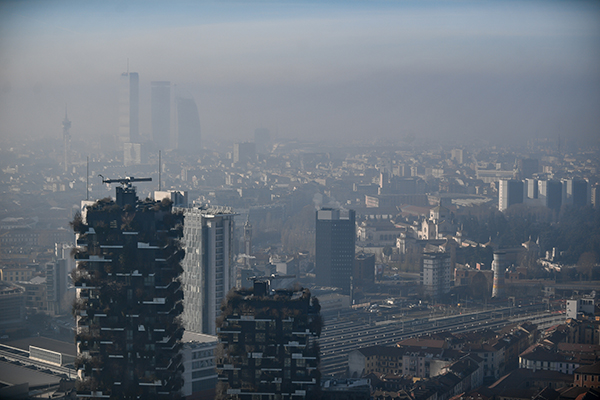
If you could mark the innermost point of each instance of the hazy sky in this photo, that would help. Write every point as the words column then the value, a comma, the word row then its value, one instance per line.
column 384, row 69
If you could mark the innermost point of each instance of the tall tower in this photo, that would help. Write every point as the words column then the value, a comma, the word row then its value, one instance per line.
column 335, row 247
column 436, row 274
column 207, row 266
column 128, row 298
column 129, row 108
column 499, row 268
column 188, row 125
column 161, row 113
column 66, row 124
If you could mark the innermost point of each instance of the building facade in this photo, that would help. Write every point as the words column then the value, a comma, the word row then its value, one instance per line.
column 188, row 125
column 509, row 192
column 436, row 274
column 268, row 345
column 335, row 248
column 128, row 298
column 207, row 265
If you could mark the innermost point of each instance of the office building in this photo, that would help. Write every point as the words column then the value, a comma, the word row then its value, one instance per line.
column 160, row 108
column 499, row 269
column 436, row 274
column 188, row 126
column 56, row 287
column 335, row 248
column 128, row 298
column 509, row 192
column 207, row 265
column 129, row 108
column 268, row 345
column 364, row 269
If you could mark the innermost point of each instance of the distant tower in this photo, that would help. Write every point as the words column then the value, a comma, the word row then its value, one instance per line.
column 499, row 268
column 335, row 247
column 188, row 125
column 161, row 113
column 129, row 108
column 66, row 140
column 248, row 240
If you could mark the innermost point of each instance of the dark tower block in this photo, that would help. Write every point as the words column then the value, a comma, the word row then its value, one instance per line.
column 128, row 298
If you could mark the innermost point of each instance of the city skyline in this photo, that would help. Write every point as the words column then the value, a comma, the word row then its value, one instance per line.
column 502, row 72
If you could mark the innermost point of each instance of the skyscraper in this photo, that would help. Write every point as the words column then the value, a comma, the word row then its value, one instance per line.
column 188, row 125
column 268, row 345
column 160, row 92
column 128, row 298
column 335, row 247
column 129, row 108
column 207, row 266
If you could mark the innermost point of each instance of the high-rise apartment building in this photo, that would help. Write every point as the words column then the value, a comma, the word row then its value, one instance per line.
column 129, row 108
column 188, row 125
column 243, row 153
column 335, row 248
column 550, row 194
column 160, row 108
column 207, row 266
column 268, row 345
column 436, row 274
column 576, row 192
column 128, row 298
column 509, row 192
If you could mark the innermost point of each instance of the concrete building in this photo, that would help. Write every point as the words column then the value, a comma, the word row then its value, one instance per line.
column 268, row 344
column 199, row 374
column 128, row 297
column 364, row 269
column 550, row 194
column 243, row 153
column 576, row 307
column 436, row 274
column 509, row 192
column 207, row 265
column 335, row 248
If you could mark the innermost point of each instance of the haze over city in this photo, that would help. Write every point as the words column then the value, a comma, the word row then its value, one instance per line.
column 502, row 72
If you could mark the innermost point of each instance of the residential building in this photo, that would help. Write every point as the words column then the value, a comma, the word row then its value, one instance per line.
column 588, row 376
column 436, row 274
column 509, row 192
column 268, row 344
column 335, row 248
column 244, row 153
column 199, row 373
column 207, row 265
column 128, row 297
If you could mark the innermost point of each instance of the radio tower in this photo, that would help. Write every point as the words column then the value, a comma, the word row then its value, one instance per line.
column 66, row 140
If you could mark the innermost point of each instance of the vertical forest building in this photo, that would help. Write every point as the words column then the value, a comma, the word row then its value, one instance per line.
column 128, row 298
column 268, row 346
